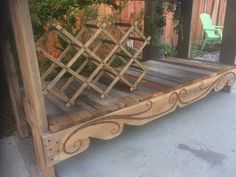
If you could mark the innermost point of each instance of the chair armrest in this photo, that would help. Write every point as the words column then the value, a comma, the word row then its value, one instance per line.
column 210, row 29
column 221, row 27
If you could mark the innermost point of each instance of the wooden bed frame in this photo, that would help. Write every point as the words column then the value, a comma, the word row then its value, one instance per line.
column 167, row 86
column 61, row 132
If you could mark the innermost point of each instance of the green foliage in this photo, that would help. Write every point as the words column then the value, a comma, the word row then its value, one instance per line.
column 65, row 12
column 196, row 51
column 169, row 50
column 158, row 17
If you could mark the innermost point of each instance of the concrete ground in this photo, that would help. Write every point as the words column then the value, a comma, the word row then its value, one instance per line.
column 196, row 141
column 211, row 56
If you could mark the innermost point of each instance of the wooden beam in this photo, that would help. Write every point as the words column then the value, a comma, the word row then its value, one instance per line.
column 152, row 51
column 8, row 66
column 22, row 29
column 35, row 111
column 228, row 48
column 184, row 41
column 14, row 90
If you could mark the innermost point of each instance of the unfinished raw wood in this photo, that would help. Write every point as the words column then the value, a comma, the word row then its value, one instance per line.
column 22, row 29
column 87, row 44
column 75, row 139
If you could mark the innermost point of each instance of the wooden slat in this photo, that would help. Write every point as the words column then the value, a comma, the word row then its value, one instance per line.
column 125, row 97
column 140, row 93
column 110, row 126
column 170, row 72
column 14, row 90
column 160, row 79
column 156, row 79
column 198, row 64
column 69, row 116
column 156, row 72
column 201, row 72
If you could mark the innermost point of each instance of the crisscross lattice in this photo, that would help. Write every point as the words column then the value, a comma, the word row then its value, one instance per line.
column 83, row 51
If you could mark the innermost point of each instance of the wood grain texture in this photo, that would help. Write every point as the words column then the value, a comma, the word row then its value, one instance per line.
column 100, row 35
column 64, row 144
column 160, row 78
column 228, row 49
column 185, row 40
column 22, row 29
column 14, row 90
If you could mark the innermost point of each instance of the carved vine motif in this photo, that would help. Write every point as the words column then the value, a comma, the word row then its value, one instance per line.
column 111, row 120
column 174, row 99
column 217, row 85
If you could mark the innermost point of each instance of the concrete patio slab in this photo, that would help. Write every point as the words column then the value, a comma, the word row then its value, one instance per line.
column 11, row 161
column 196, row 141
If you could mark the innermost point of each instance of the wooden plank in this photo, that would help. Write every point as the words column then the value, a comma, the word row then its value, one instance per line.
column 111, row 125
column 108, row 103
column 173, row 73
column 124, row 97
column 28, row 60
column 215, row 12
column 22, row 28
column 141, row 93
column 57, row 119
column 151, row 78
column 66, row 116
column 155, row 72
column 228, row 49
column 14, row 89
column 151, row 84
column 198, row 71
column 184, row 41
column 197, row 64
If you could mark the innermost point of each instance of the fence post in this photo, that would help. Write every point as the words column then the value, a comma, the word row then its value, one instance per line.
column 228, row 49
column 184, row 41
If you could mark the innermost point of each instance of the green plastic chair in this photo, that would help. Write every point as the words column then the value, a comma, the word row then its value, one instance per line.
column 213, row 34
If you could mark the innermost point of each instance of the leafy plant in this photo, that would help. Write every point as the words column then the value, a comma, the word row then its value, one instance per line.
column 65, row 12
column 196, row 50
column 157, row 19
column 169, row 50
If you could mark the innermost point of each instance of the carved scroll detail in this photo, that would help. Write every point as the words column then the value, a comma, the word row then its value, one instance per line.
column 203, row 89
column 176, row 98
column 67, row 143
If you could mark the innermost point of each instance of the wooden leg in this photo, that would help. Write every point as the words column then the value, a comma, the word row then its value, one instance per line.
column 204, row 44
column 38, row 145
column 35, row 111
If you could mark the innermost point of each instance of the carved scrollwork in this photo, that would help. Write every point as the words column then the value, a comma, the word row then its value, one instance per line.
column 217, row 85
column 74, row 143
column 78, row 143
column 116, row 128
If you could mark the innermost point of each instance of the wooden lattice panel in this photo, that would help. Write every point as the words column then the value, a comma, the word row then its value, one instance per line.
column 96, row 47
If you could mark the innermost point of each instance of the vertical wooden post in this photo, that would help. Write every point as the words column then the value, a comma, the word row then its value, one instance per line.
column 152, row 51
column 184, row 41
column 22, row 28
column 8, row 65
column 228, row 48
column 14, row 90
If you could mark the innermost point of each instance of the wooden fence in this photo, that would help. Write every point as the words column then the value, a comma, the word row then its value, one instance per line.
column 216, row 8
